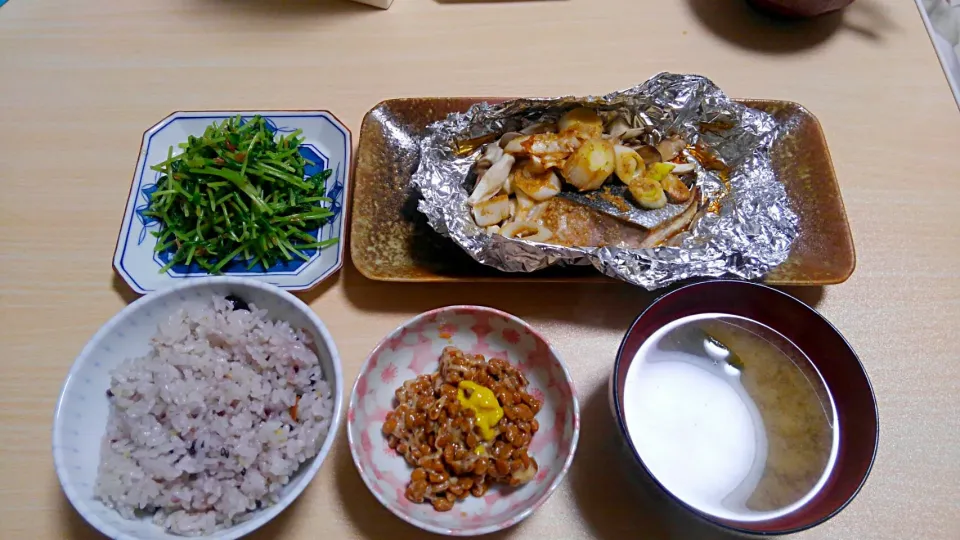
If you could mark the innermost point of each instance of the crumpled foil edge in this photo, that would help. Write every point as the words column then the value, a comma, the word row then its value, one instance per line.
column 751, row 233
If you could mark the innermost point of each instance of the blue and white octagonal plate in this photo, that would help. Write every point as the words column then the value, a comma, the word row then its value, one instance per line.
column 327, row 143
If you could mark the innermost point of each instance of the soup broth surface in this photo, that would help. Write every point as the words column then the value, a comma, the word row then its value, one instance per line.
column 731, row 417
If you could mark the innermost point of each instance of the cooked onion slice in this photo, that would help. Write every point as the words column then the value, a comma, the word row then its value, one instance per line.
column 676, row 190
column 540, row 144
column 630, row 165
column 524, row 202
column 582, row 121
column 526, row 230
column 590, row 166
column 539, row 186
column 492, row 211
column 648, row 193
column 537, row 211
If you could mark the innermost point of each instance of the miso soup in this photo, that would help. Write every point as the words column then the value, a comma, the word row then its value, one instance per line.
column 731, row 417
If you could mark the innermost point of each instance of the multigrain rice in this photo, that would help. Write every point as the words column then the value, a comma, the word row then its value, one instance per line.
column 214, row 420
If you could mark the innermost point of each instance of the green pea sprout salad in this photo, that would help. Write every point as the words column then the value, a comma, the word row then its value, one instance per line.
column 238, row 191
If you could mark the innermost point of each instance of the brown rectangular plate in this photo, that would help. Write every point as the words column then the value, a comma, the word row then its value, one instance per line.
column 391, row 241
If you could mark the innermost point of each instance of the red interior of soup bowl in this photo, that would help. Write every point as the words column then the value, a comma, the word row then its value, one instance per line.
column 827, row 349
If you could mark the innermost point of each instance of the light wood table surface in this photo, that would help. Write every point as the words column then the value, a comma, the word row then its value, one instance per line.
column 82, row 79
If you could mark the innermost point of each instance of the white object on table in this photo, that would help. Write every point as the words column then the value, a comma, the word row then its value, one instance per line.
column 942, row 19
column 382, row 4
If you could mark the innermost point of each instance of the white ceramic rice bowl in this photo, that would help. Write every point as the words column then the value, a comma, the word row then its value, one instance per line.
column 82, row 410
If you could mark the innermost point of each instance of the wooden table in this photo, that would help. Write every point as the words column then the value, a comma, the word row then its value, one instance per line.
column 82, row 79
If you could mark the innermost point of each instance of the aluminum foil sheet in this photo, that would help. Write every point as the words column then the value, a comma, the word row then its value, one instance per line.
column 745, row 226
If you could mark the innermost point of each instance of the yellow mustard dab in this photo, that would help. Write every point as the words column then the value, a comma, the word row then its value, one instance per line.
column 484, row 404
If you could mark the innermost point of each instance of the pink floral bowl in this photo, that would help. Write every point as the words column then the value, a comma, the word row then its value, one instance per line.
column 414, row 349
